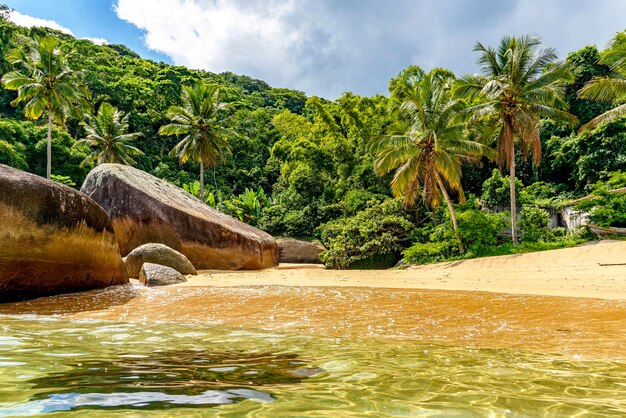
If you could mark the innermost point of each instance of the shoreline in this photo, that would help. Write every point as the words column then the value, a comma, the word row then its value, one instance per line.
column 576, row 272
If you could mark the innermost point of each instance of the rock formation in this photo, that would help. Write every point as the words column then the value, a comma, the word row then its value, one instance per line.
column 145, row 209
column 157, row 254
column 296, row 251
column 157, row 275
column 53, row 239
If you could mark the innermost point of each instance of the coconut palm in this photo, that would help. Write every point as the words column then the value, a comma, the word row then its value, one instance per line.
column 45, row 83
column 206, row 140
column 428, row 147
column 609, row 89
column 108, row 137
column 520, row 84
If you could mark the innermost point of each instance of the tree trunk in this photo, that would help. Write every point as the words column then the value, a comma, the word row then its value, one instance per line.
column 214, row 181
column 201, row 181
column 455, row 225
column 513, row 203
column 49, row 147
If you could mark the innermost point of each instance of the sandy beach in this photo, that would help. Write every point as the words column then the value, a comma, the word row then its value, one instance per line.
column 593, row 270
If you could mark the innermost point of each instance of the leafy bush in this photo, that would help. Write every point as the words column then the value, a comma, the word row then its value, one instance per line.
column 608, row 209
column 375, row 234
column 63, row 180
column 478, row 231
column 358, row 200
column 427, row 252
column 534, row 224
column 496, row 190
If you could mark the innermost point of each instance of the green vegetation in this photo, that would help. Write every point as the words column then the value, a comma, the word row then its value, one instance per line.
column 206, row 142
column 108, row 137
column 364, row 175
column 45, row 83
column 521, row 84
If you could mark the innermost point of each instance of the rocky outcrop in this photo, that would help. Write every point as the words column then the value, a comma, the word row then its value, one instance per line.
column 296, row 251
column 157, row 254
column 157, row 275
column 145, row 209
column 53, row 239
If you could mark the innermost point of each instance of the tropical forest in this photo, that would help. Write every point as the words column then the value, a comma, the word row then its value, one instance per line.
column 445, row 166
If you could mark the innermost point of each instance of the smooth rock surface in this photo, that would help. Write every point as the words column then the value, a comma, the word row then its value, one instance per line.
column 157, row 254
column 146, row 209
column 53, row 239
column 156, row 275
column 297, row 251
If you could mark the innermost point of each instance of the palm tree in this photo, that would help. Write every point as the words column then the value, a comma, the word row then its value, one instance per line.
column 609, row 89
column 520, row 84
column 205, row 141
column 428, row 148
column 45, row 83
column 108, row 137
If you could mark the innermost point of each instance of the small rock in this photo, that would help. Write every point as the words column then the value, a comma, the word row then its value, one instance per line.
column 157, row 275
column 297, row 251
column 157, row 254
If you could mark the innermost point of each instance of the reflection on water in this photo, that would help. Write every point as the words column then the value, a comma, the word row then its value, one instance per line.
column 91, row 368
column 279, row 351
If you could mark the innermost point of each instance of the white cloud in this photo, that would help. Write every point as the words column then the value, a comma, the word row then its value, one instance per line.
column 30, row 21
column 325, row 47
column 218, row 36
column 97, row 41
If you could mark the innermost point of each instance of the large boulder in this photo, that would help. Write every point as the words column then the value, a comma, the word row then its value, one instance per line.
column 158, row 254
column 296, row 251
column 156, row 275
column 53, row 239
column 145, row 209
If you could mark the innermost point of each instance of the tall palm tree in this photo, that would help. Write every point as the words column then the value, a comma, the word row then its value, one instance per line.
column 520, row 84
column 45, row 83
column 108, row 137
column 429, row 146
column 205, row 141
column 609, row 89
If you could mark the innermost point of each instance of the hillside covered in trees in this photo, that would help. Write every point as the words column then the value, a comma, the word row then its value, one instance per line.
column 306, row 167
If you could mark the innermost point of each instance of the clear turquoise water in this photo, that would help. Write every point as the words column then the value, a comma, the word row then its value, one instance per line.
column 64, row 367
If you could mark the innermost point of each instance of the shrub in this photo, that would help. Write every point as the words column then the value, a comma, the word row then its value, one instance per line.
column 534, row 223
column 371, row 238
column 426, row 252
column 608, row 209
column 496, row 190
column 478, row 231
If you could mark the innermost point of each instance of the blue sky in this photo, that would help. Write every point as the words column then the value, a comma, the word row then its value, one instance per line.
column 89, row 19
column 326, row 47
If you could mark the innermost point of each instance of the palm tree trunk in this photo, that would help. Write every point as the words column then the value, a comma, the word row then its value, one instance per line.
column 201, row 181
column 49, row 147
column 513, row 203
column 455, row 225
column 214, row 181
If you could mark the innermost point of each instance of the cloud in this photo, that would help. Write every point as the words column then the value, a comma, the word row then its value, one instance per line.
column 326, row 47
column 30, row 21
column 97, row 41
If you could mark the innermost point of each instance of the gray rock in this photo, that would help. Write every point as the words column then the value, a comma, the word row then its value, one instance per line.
column 157, row 254
column 156, row 275
column 53, row 239
column 297, row 251
column 145, row 209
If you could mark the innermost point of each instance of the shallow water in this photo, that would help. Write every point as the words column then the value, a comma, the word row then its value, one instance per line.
column 274, row 351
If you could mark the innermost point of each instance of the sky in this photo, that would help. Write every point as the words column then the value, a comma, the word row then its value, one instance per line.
column 324, row 47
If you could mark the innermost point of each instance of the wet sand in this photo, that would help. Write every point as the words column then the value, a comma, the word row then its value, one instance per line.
column 560, row 301
column 594, row 270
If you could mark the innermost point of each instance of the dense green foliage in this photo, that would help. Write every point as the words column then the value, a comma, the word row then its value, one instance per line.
column 370, row 239
column 306, row 168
